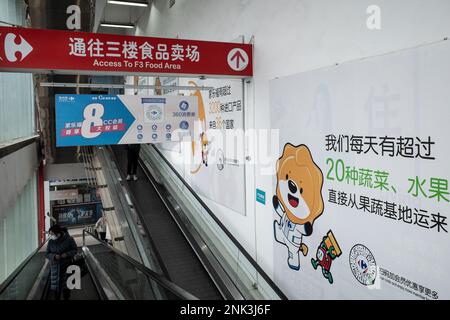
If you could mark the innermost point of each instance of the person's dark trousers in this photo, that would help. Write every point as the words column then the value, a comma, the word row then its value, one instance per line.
column 102, row 236
column 66, row 294
column 133, row 156
column 56, row 295
column 63, row 282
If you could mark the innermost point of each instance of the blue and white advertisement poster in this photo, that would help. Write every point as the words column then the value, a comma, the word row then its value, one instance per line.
column 86, row 120
column 77, row 214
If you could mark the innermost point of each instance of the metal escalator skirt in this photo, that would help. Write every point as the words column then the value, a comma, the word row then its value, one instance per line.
column 123, row 278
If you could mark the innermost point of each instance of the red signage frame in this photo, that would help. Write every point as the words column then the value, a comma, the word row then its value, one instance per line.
column 70, row 52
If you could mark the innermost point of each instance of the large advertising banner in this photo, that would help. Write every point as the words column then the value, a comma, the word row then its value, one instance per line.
column 361, row 195
column 77, row 214
column 217, row 168
column 84, row 120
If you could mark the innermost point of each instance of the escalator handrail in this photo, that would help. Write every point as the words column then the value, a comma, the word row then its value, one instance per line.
column 224, row 229
column 161, row 280
column 5, row 284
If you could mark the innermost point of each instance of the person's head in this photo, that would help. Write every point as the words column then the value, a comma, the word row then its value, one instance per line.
column 56, row 231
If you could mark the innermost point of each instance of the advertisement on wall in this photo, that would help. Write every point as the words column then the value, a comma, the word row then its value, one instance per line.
column 217, row 169
column 164, row 84
column 79, row 214
column 361, row 197
column 83, row 120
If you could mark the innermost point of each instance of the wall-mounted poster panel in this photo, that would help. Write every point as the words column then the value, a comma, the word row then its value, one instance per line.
column 78, row 214
column 361, row 195
column 122, row 119
column 165, row 83
column 217, row 169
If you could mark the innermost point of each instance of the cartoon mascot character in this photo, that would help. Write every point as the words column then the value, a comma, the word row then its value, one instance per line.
column 328, row 251
column 204, row 143
column 298, row 200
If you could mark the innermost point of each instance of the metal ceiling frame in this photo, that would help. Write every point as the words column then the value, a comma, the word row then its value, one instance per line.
column 119, row 86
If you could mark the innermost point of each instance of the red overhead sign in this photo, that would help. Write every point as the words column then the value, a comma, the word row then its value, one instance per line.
column 37, row 50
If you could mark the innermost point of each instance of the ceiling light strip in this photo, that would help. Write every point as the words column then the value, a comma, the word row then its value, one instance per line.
column 117, row 25
column 128, row 3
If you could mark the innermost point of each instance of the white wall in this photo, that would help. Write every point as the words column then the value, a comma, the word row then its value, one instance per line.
column 18, row 179
column 292, row 36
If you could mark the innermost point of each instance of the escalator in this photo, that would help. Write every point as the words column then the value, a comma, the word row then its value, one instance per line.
column 122, row 278
column 88, row 290
column 180, row 262
column 195, row 250
column 31, row 281
column 175, row 246
column 110, row 275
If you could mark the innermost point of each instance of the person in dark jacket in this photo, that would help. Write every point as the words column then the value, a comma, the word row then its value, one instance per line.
column 133, row 157
column 61, row 248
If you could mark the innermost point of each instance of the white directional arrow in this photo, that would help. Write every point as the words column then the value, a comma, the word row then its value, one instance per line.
column 11, row 48
column 237, row 59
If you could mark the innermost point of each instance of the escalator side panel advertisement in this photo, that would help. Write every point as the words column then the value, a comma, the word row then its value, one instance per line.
column 86, row 120
column 360, row 200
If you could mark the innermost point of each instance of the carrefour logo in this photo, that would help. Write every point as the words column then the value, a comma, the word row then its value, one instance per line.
column 184, row 105
column 12, row 46
column 363, row 265
column 66, row 99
